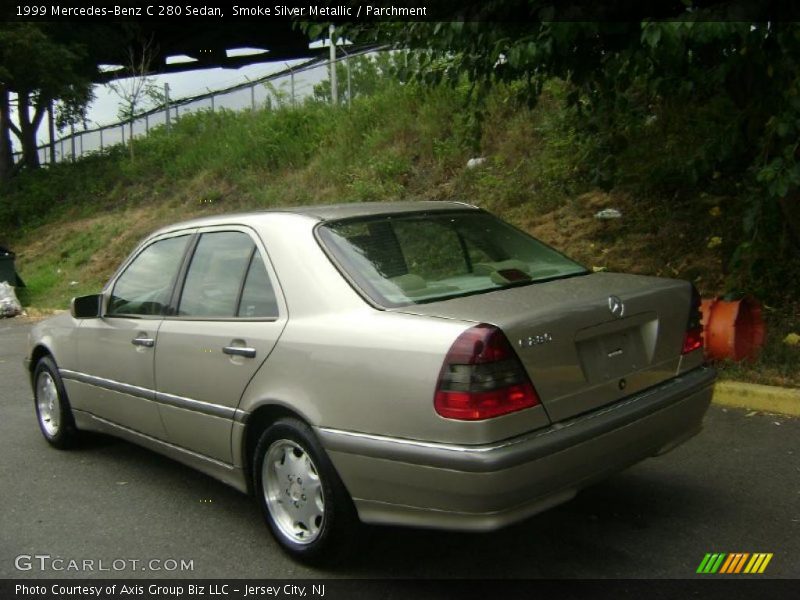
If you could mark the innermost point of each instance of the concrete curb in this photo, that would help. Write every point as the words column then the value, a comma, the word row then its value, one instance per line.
column 764, row 398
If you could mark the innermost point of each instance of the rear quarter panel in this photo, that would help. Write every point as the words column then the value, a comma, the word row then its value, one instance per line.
column 373, row 372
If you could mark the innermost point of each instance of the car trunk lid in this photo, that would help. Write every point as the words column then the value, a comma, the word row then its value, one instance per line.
column 584, row 341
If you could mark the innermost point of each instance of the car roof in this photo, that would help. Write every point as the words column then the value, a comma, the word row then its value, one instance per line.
column 323, row 212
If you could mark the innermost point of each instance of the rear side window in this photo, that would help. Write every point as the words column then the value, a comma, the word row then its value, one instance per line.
column 215, row 275
column 227, row 278
column 258, row 296
column 145, row 287
column 414, row 258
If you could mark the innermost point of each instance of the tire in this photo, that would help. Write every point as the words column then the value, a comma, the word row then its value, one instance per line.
column 53, row 411
column 305, row 504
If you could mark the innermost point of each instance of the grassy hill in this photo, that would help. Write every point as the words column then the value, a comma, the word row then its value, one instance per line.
column 71, row 224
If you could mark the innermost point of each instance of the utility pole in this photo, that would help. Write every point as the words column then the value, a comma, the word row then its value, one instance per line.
column 51, row 126
column 334, row 87
column 166, row 99
column 291, row 79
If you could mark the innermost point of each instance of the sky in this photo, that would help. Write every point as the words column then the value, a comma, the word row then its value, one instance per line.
column 104, row 109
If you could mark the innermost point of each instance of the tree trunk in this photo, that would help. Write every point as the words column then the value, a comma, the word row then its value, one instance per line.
column 6, row 152
column 27, row 135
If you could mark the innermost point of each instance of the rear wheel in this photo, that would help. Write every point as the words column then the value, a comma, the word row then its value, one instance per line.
column 304, row 502
column 52, row 405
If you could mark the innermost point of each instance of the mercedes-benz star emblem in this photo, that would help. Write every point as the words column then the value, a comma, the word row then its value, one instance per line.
column 616, row 306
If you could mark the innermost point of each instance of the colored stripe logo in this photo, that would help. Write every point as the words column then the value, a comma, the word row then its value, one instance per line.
column 734, row 563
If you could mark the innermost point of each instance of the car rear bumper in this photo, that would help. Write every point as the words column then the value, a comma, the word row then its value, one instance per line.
column 398, row 481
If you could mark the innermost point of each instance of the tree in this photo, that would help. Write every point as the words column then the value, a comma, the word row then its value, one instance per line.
column 6, row 155
column 139, row 86
column 41, row 63
column 367, row 73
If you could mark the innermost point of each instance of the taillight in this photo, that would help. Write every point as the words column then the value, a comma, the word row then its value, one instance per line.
column 482, row 378
column 693, row 338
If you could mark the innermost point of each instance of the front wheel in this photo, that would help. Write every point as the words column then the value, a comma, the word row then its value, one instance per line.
column 302, row 498
column 52, row 405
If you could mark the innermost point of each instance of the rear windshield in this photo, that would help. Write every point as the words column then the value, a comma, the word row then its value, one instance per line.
column 415, row 258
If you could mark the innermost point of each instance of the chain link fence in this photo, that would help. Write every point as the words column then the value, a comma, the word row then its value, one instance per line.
column 288, row 87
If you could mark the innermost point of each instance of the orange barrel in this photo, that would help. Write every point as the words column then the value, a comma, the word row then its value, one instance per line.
column 733, row 329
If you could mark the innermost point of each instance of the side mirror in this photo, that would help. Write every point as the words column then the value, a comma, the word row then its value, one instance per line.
column 87, row 307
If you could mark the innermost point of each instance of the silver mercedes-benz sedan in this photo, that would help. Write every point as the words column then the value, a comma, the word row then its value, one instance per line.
column 409, row 363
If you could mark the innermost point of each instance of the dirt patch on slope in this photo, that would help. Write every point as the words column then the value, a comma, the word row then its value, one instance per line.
column 640, row 241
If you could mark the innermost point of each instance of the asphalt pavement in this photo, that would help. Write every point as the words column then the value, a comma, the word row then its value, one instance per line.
column 733, row 488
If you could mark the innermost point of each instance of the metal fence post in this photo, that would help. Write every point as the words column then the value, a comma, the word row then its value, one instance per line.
column 80, row 139
column 349, row 81
column 72, row 140
column 122, row 127
column 212, row 101
column 101, row 140
column 291, row 80
column 147, row 124
column 253, row 97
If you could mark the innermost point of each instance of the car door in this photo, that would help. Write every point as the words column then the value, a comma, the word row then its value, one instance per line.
column 116, row 351
column 229, row 315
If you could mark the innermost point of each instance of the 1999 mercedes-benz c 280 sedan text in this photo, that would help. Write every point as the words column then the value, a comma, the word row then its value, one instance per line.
column 414, row 363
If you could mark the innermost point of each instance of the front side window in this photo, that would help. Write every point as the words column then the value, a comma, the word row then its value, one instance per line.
column 146, row 285
column 398, row 260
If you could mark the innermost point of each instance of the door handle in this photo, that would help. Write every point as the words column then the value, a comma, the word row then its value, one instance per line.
column 143, row 341
column 240, row 351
